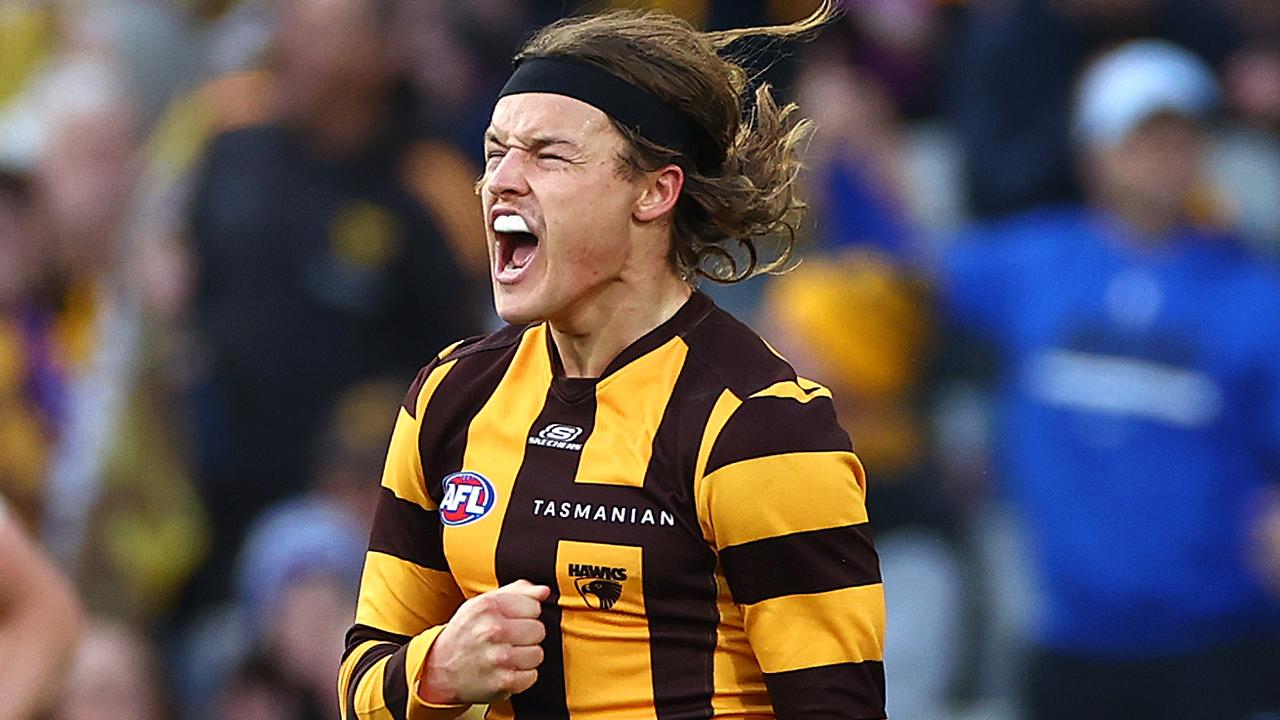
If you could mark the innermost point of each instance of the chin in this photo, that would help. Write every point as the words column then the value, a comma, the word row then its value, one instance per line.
column 516, row 310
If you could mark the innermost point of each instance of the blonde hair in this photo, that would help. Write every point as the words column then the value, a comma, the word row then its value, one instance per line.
column 740, row 218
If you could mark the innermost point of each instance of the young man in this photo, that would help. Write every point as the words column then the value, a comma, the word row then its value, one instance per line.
column 624, row 504
column 39, row 624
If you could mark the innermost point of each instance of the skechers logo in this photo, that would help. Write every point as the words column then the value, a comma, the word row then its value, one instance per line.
column 600, row 586
column 558, row 436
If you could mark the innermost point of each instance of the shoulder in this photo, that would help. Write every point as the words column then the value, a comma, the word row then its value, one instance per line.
column 791, row 416
column 770, row 409
column 740, row 360
column 467, row 359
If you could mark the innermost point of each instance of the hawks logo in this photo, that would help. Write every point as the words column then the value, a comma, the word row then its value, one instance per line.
column 600, row 586
column 468, row 496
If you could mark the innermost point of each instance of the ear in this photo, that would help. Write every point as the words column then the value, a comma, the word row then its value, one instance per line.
column 661, row 191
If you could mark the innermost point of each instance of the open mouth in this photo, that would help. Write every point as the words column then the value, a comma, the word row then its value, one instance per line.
column 516, row 247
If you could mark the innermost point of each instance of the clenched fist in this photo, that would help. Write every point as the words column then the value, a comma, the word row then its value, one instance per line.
column 489, row 650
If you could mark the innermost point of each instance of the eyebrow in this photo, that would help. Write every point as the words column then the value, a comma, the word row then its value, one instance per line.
column 537, row 142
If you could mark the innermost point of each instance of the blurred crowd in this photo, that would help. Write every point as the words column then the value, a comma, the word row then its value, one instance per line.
column 1040, row 277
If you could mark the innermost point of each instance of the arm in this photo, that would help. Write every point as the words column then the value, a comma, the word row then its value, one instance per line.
column 417, row 650
column 783, row 498
column 39, row 624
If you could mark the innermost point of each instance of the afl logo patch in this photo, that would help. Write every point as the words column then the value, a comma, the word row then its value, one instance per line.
column 468, row 496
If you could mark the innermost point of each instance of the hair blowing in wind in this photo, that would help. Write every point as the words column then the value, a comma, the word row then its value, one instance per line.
column 740, row 217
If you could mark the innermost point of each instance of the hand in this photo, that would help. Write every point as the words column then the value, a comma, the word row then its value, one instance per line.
column 490, row 649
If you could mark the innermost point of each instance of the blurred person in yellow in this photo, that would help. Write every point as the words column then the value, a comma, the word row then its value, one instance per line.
column 104, row 475
column 623, row 504
column 39, row 624
column 862, row 324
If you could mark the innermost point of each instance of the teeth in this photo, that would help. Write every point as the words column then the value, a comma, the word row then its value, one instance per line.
column 510, row 224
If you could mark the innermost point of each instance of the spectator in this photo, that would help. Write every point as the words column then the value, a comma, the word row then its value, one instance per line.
column 1141, row 412
column 274, row 648
column 318, row 263
column 1012, row 76
column 860, row 326
column 30, row 380
column 114, row 495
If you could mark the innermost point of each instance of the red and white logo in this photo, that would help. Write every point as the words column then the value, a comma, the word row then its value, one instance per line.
column 468, row 496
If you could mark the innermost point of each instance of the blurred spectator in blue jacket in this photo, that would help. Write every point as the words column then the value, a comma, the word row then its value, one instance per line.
column 1140, row 401
column 1011, row 81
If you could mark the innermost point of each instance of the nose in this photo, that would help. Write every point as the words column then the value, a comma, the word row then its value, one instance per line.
column 507, row 177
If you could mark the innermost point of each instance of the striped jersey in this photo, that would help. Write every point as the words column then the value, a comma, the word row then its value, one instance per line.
column 696, row 510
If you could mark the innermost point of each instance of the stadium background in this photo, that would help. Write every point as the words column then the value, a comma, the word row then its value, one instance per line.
column 194, row 424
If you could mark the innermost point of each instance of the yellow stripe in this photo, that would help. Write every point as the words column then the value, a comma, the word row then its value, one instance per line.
column 495, row 449
column 445, row 352
column 739, row 689
column 724, row 408
column 370, row 703
column 344, row 673
column 605, row 648
column 402, row 473
column 782, row 494
column 404, row 598
column 802, row 631
column 629, row 407
column 802, row 391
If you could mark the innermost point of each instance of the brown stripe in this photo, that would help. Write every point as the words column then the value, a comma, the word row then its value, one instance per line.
column 404, row 530
column 526, row 550
column 737, row 355
column 682, row 610
column 801, row 563
column 766, row 426
column 395, row 685
column 363, row 633
column 363, row 665
column 456, row 401
column 848, row 690
column 410, row 402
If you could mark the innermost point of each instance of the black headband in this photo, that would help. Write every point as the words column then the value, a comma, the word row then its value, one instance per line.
column 648, row 116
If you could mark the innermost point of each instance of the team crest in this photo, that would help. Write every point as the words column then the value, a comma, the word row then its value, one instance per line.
column 468, row 496
column 599, row 585
column 598, row 593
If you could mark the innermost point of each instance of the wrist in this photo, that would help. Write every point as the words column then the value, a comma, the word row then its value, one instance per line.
column 435, row 682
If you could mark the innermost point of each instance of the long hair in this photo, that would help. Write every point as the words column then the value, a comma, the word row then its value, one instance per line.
column 740, row 218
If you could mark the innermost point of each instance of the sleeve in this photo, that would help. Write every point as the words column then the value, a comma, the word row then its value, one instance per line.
column 407, row 594
column 782, row 496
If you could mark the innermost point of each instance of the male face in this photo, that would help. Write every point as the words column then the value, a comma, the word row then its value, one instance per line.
column 558, row 210
column 1155, row 167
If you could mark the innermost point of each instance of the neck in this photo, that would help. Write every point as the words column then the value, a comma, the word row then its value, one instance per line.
column 341, row 130
column 619, row 314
